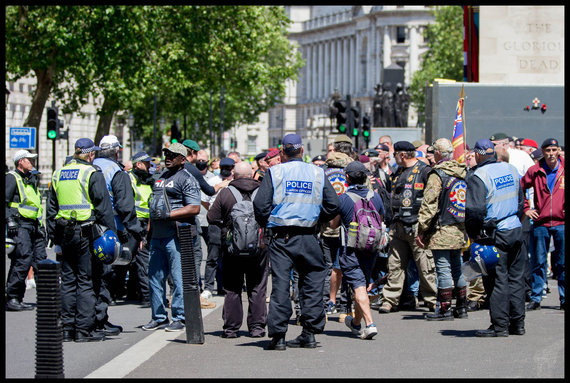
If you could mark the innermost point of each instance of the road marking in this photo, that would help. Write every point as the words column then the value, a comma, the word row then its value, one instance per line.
column 124, row 363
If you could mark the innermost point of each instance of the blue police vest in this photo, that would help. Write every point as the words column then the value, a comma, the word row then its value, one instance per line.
column 109, row 169
column 502, row 181
column 297, row 194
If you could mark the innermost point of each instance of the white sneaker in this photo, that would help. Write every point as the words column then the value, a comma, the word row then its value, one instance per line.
column 30, row 284
column 206, row 294
column 368, row 332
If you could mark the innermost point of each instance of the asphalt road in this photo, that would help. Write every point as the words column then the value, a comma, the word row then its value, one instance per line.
column 407, row 346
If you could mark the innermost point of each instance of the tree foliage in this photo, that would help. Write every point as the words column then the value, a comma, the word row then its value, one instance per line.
column 128, row 54
column 444, row 58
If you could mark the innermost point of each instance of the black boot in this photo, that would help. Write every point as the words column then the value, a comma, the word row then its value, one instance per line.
column 460, row 310
column 305, row 340
column 444, row 313
column 277, row 343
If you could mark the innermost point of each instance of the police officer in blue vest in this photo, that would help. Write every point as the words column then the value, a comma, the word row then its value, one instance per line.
column 493, row 208
column 293, row 198
column 129, row 230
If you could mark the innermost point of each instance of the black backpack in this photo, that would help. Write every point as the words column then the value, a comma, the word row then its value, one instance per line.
column 244, row 236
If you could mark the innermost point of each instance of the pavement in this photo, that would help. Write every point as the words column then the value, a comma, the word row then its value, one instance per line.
column 407, row 346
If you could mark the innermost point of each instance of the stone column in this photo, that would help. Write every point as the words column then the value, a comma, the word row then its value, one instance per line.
column 413, row 61
column 333, row 78
column 387, row 51
column 321, row 67
column 308, row 80
column 357, row 62
column 339, row 75
column 351, row 71
column 327, row 70
column 314, row 73
column 345, row 69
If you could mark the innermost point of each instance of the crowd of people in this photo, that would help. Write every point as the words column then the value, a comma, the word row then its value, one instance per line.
column 345, row 234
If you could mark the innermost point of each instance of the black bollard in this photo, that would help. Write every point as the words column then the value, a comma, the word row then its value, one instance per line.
column 49, row 335
column 192, row 309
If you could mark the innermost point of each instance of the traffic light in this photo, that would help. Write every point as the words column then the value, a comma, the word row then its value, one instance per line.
column 341, row 116
column 52, row 123
column 366, row 128
column 355, row 110
column 175, row 134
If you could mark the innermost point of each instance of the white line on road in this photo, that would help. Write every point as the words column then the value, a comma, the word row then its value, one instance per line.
column 142, row 351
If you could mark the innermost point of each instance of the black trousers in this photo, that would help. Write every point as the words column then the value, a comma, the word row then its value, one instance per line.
column 212, row 236
column 255, row 271
column 77, row 293
column 505, row 285
column 303, row 252
column 30, row 249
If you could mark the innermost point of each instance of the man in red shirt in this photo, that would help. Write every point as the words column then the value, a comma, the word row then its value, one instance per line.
column 547, row 178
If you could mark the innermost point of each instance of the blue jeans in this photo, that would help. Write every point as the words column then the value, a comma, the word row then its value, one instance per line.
column 164, row 260
column 448, row 269
column 542, row 235
column 412, row 281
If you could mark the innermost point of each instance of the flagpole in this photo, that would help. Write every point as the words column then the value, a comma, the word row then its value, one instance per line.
column 462, row 96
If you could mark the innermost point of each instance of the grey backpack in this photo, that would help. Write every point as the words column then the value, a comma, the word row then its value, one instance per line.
column 244, row 236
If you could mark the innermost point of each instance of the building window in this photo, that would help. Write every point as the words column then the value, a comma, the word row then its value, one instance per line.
column 251, row 144
column 21, row 88
column 400, row 35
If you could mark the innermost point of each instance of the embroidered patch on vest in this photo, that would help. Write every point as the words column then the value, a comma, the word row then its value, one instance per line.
column 418, row 186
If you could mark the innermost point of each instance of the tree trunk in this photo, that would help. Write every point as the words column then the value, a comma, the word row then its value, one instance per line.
column 43, row 89
column 104, row 124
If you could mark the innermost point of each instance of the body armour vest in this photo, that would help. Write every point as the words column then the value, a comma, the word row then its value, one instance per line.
column 297, row 194
column 407, row 193
column 502, row 182
column 30, row 205
column 451, row 199
column 142, row 194
column 109, row 169
column 71, row 185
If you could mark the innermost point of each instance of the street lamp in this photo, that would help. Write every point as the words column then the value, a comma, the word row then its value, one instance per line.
column 131, row 123
column 68, row 117
column 7, row 97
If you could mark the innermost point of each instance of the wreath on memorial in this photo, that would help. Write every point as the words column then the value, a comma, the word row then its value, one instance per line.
column 536, row 105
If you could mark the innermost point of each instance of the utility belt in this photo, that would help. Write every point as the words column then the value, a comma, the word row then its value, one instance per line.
column 291, row 231
column 67, row 229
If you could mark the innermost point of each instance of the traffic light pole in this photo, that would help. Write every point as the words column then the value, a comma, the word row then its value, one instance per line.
column 52, row 156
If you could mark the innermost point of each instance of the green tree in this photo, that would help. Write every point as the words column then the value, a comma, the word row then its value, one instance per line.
column 444, row 57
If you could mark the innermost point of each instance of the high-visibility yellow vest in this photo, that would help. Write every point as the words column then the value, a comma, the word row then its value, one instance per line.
column 142, row 194
column 71, row 185
column 30, row 205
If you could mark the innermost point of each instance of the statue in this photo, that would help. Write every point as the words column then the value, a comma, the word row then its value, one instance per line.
column 405, row 105
column 377, row 106
column 388, row 106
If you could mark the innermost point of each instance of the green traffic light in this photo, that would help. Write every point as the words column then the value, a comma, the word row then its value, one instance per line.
column 355, row 132
column 51, row 134
column 342, row 128
column 174, row 140
column 366, row 133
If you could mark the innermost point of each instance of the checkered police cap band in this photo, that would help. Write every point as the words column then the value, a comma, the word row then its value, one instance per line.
column 484, row 152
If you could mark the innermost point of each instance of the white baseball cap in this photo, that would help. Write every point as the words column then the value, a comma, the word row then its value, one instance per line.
column 23, row 154
column 110, row 141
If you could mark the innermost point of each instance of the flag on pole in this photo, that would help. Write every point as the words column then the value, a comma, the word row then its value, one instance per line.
column 458, row 140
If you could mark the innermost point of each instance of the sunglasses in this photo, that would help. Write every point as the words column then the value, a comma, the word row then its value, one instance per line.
column 171, row 155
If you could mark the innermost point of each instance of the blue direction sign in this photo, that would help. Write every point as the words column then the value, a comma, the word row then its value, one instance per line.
column 22, row 138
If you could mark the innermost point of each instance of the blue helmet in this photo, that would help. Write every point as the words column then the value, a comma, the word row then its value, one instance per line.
column 107, row 247
column 482, row 260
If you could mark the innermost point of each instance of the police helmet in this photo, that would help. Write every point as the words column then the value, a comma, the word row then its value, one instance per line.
column 107, row 246
column 10, row 245
column 483, row 259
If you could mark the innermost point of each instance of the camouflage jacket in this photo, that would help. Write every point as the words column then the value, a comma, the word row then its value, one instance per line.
column 448, row 236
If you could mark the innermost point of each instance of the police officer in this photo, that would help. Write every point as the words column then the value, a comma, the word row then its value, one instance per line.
column 78, row 198
column 129, row 230
column 24, row 226
column 293, row 197
column 493, row 208
column 408, row 184
column 141, row 183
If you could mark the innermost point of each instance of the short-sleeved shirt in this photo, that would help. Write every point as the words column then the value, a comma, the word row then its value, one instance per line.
column 347, row 206
column 182, row 189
